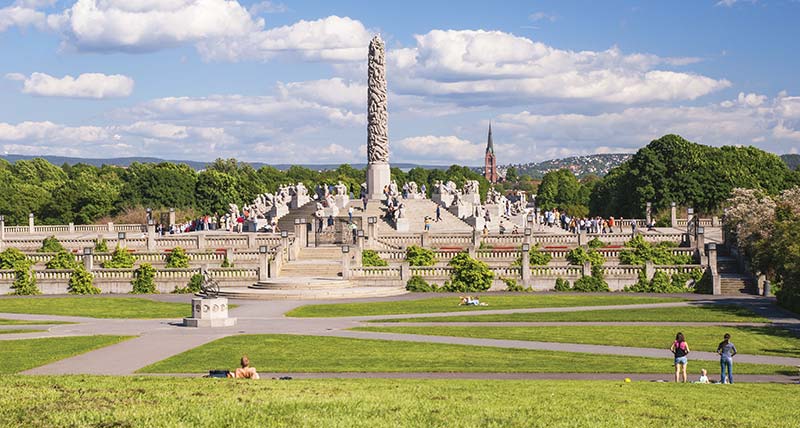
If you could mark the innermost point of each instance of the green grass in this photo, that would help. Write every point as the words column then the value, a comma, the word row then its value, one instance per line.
column 30, row 322
column 95, row 307
column 748, row 340
column 698, row 313
column 24, row 354
column 450, row 304
column 379, row 403
column 287, row 353
column 18, row 330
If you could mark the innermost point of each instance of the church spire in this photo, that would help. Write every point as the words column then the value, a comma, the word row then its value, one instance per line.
column 489, row 142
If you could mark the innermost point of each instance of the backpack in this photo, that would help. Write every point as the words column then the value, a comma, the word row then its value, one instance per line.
column 680, row 351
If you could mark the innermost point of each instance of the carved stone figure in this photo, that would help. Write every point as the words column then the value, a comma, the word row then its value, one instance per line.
column 377, row 115
column 412, row 187
column 341, row 189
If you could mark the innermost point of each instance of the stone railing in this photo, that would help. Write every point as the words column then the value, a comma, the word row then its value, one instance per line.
column 511, row 254
column 192, row 241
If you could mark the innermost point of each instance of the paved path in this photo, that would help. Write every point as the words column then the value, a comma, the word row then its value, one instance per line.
column 159, row 339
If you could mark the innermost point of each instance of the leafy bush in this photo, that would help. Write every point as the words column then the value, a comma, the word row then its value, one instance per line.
column 24, row 280
column 485, row 246
column 193, row 287
column 596, row 243
column 226, row 263
column 663, row 283
column 82, row 282
column 144, row 280
column 417, row 284
column 100, row 245
column 51, row 245
column 120, row 259
column 591, row 284
column 512, row 285
column 562, row 285
column 418, row 256
column 469, row 275
column 177, row 258
column 579, row 256
column 642, row 251
column 538, row 257
column 371, row 258
column 62, row 260
column 11, row 257
column 705, row 285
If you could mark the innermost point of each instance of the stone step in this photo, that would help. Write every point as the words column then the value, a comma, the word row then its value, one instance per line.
column 303, row 283
column 415, row 212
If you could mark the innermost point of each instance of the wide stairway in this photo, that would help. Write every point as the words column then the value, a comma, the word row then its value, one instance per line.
column 732, row 282
column 306, row 211
column 415, row 211
column 315, row 275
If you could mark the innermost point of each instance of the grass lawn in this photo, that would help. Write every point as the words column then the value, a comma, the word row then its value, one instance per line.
column 27, row 322
column 24, row 354
column 377, row 403
column 18, row 330
column 288, row 353
column 96, row 307
column 450, row 304
column 698, row 313
column 748, row 340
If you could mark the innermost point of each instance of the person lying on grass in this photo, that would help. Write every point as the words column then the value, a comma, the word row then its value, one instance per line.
column 470, row 301
column 245, row 371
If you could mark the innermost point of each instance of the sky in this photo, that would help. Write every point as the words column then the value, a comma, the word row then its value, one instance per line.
column 285, row 81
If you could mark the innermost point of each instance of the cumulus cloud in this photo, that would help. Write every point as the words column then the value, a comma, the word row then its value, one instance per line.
column 328, row 39
column 20, row 15
column 439, row 149
column 149, row 25
column 267, row 7
column 729, row 3
column 87, row 85
column 543, row 16
column 490, row 67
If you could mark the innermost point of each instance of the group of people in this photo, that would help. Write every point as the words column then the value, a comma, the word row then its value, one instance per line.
column 726, row 350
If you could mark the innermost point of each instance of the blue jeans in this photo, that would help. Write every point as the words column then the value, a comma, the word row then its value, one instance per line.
column 726, row 363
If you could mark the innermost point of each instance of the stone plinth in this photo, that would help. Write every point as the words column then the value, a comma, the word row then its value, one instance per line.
column 462, row 211
column 209, row 313
column 402, row 225
column 341, row 201
column 298, row 201
column 444, row 200
column 472, row 198
column 415, row 196
column 378, row 177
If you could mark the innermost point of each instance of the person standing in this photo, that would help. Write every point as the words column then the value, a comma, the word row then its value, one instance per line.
column 364, row 200
column 726, row 351
column 438, row 213
column 680, row 349
column 350, row 213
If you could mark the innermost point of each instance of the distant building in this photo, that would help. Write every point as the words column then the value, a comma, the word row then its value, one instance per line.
column 490, row 162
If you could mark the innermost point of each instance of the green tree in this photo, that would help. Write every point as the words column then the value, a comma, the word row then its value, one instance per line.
column 62, row 260
column 419, row 256
column 468, row 275
column 144, row 280
column 177, row 258
column 82, row 282
column 120, row 259
column 215, row 190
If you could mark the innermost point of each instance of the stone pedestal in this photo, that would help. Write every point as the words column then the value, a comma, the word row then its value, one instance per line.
column 415, row 196
column 472, row 198
column 378, row 177
column 209, row 313
column 341, row 201
column 298, row 201
column 462, row 211
column 443, row 199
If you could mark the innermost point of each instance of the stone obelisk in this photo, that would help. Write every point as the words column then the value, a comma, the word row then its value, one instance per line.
column 378, row 173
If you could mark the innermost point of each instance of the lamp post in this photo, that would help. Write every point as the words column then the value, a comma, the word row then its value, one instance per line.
column 263, row 263
column 88, row 258
column 526, row 264
column 346, row 261
column 121, row 236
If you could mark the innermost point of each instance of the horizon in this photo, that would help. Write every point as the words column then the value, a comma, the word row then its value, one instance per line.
column 272, row 82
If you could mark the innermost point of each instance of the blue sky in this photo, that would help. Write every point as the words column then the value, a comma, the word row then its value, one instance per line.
column 284, row 82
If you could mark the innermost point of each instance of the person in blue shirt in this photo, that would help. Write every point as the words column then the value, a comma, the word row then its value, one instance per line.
column 726, row 351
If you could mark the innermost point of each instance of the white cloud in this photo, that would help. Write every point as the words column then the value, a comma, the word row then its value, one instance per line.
column 439, row 149
column 493, row 67
column 328, row 39
column 87, row 85
column 148, row 25
column 332, row 92
column 20, row 16
column 729, row 3
column 543, row 16
column 267, row 7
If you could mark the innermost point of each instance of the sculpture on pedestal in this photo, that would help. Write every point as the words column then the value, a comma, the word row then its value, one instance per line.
column 378, row 173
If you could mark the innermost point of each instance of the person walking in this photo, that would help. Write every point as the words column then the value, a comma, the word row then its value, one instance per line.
column 726, row 350
column 438, row 213
column 680, row 349
column 364, row 200
column 350, row 213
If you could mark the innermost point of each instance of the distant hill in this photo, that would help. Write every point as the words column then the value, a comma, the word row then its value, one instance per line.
column 197, row 165
column 793, row 161
column 581, row 166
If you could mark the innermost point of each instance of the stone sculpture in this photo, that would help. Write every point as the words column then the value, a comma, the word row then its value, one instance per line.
column 378, row 172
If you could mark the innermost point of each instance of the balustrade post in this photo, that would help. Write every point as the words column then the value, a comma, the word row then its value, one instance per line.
column 88, row 258
column 71, row 227
column 587, row 269
column 716, row 288
column 2, row 229
column 31, row 227
column 422, row 240
column 346, row 274
column 151, row 237
column 264, row 272
column 526, row 265
column 405, row 272
column 201, row 241
column 360, row 247
column 673, row 215
column 171, row 218
column 476, row 238
column 649, row 270
column 251, row 240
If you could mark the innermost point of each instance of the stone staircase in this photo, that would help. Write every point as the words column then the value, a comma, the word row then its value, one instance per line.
column 306, row 211
column 316, row 274
column 732, row 281
column 415, row 211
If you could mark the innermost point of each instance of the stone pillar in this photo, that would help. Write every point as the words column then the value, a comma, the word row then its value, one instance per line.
column 526, row 268
column 700, row 242
column 171, row 217
column 715, row 221
column 2, row 228
column 422, row 240
column 276, row 262
column 151, row 237
column 580, row 238
column 473, row 252
column 649, row 270
column 649, row 212
column 359, row 247
column 88, row 261
column 587, row 269
column 673, row 215
column 251, row 240
column 110, row 226
column 229, row 254
column 346, row 265
column 712, row 266
column 378, row 171
column 31, row 227
column 263, row 267
column 476, row 238
column 71, row 227
column 405, row 271
column 201, row 241
column 689, row 217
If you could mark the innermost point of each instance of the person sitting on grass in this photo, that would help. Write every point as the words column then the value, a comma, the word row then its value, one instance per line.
column 703, row 376
column 245, row 371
